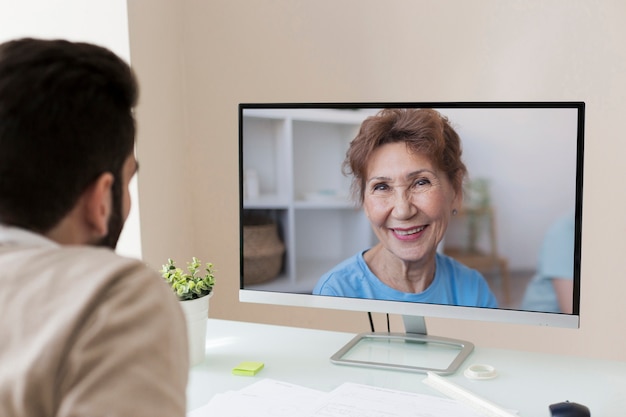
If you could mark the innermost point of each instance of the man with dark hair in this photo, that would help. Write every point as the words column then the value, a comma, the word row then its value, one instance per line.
column 84, row 332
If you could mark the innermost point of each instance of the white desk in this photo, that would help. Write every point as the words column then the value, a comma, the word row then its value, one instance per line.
column 526, row 382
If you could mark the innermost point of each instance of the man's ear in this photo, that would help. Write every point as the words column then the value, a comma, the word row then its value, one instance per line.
column 98, row 204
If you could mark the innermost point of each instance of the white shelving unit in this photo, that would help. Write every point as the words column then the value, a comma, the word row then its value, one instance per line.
column 297, row 155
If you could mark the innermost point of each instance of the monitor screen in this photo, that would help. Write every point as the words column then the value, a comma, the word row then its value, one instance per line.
column 455, row 210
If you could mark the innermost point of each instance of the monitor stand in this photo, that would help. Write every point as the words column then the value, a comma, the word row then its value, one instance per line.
column 413, row 350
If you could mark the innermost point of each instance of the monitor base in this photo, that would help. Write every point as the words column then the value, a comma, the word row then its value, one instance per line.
column 412, row 351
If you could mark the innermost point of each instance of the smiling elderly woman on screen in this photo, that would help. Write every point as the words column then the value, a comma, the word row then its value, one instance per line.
column 408, row 176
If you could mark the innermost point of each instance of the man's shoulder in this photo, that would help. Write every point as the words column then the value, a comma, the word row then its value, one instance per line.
column 102, row 314
column 83, row 269
column 94, row 261
column 108, row 269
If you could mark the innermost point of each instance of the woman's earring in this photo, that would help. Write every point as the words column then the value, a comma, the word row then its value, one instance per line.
column 455, row 212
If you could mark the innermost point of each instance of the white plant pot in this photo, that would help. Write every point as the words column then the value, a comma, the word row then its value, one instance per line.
column 196, row 315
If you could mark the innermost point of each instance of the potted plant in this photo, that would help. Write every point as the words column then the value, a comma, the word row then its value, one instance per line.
column 190, row 285
column 193, row 289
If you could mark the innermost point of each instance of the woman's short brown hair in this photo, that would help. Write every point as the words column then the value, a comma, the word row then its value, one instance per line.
column 424, row 131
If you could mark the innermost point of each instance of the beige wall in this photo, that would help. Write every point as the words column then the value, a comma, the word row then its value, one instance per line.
column 198, row 59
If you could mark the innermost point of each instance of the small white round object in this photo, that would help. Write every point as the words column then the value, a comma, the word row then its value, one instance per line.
column 480, row 371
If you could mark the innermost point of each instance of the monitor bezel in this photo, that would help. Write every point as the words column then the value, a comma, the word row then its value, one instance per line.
column 550, row 319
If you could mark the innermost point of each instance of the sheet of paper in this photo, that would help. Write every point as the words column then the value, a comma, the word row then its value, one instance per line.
column 265, row 398
column 271, row 398
column 351, row 399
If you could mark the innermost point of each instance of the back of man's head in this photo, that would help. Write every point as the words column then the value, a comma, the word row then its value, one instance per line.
column 65, row 118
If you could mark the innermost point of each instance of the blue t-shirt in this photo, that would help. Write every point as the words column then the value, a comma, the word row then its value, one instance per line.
column 454, row 284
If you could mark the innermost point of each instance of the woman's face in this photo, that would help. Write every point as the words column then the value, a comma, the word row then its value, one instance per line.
column 408, row 201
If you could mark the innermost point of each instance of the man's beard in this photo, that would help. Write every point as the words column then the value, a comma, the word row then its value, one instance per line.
column 116, row 222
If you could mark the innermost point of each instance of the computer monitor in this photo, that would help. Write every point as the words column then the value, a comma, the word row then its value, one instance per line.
column 300, row 215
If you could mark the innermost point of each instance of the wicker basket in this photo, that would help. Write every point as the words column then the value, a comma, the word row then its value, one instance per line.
column 262, row 251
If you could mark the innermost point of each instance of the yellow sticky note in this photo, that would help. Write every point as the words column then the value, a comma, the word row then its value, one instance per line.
column 248, row 368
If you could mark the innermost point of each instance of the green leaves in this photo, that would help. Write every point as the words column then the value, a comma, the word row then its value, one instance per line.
column 195, row 283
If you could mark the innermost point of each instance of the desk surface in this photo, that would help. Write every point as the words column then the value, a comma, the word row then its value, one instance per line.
column 526, row 382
